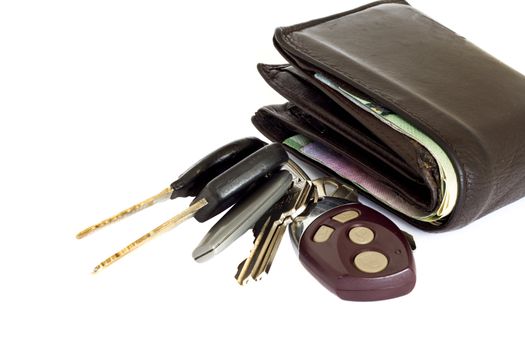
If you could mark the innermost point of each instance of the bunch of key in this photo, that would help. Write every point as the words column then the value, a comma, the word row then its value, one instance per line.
column 353, row 250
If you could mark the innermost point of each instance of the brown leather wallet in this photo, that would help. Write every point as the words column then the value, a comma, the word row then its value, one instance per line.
column 418, row 118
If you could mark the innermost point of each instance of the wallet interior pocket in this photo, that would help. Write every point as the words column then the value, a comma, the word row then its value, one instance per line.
column 327, row 128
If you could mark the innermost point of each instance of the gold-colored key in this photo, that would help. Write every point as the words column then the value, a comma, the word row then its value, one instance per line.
column 271, row 228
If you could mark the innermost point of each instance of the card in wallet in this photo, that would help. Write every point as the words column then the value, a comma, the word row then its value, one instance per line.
column 415, row 116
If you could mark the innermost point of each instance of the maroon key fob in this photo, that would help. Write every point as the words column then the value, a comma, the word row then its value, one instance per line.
column 355, row 251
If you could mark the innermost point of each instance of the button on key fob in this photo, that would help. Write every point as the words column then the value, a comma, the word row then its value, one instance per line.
column 355, row 251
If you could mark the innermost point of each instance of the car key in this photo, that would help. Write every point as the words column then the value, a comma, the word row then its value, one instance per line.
column 193, row 180
column 353, row 250
column 271, row 227
column 243, row 216
column 219, row 194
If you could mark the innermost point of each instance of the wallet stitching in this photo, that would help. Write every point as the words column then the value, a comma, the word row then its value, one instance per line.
column 297, row 45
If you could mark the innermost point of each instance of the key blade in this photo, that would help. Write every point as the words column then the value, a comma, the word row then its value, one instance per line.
column 269, row 235
column 161, row 196
column 245, row 267
column 166, row 226
column 264, row 245
column 260, row 246
column 263, row 267
column 279, row 219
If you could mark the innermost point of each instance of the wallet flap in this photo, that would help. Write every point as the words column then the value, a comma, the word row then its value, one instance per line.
column 467, row 101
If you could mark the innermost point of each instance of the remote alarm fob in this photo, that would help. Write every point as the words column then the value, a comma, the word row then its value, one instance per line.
column 354, row 251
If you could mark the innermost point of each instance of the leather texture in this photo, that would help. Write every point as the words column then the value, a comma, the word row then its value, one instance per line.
column 467, row 101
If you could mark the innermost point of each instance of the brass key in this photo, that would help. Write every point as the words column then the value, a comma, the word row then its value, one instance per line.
column 270, row 229
column 216, row 196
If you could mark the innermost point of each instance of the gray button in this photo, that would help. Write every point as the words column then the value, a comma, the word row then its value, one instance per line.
column 323, row 233
column 361, row 235
column 371, row 261
column 346, row 216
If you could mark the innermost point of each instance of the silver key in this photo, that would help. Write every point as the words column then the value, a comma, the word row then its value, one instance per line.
column 270, row 229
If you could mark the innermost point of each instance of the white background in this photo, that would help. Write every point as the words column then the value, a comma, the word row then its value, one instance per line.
column 103, row 103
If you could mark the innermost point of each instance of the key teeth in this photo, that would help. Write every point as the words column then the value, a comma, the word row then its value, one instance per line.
column 161, row 196
column 262, row 274
column 260, row 277
column 240, row 267
column 269, row 233
column 247, row 277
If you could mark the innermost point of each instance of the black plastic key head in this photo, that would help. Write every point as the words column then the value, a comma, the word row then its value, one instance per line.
column 193, row 180
column 232, row 185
